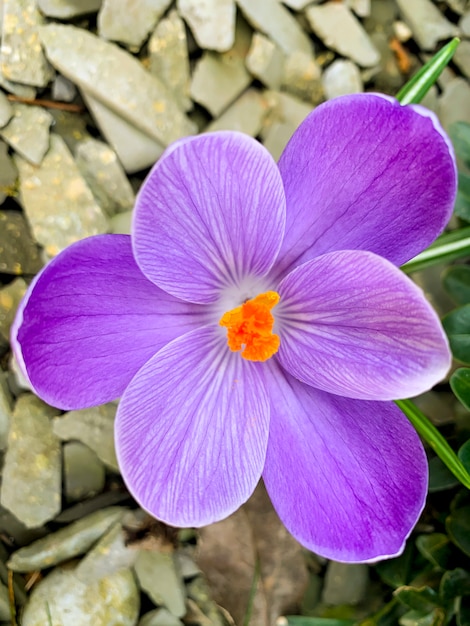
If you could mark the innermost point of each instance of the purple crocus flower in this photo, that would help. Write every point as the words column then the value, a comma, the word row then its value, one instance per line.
column 256, row 324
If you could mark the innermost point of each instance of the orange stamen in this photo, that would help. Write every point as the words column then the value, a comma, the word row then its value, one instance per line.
column 250, row 327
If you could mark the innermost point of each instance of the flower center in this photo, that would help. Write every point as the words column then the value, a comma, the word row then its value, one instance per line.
column 250, row 327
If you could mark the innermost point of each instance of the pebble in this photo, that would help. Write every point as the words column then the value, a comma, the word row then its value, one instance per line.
column 297, row 5
column 168, row 55
column 339, row 29
column 97, row 67
column 71, row 127
column 135, row 149
column 58, row 203
column 464, row 24
column 19, row 252
column 265, row 61
column 23, row 91
column 8, row 174
column 245, row 115
column 68, row 9
column 28, row 132
column 428, row 24
column 22, row 58
column 454, row 103
column 157, row 576
column 61, row 599
column 340, row 78
column 212, row 22
column 275, row 21
column 301, row 77
column 63, row 90
column 84, row 474
column 462, row 57
column 6, row 402
column 94, row 427
column 362, row 8
column 345, row 583
column 100, row 167
column 10, row 297
column 6, row 110
column 120, row 224
column 159, row 617
column 31, row 486
column 130, row 21
column 66, row 543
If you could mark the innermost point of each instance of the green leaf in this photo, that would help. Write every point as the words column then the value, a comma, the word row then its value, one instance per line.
column 434, row 438
column 459, row 133
column 464, row 455
column 437, row 617
column 448, row 247
column 435, row 548
column 463, row 612
column 458, row 527
column 460, row 384
column 298, row 620
column 440, row 477
column 416, row 88
column 424, row 600
column 457, row 326
column 462, row 201
column 454, row 583
column 396, row 572
column 456, row 281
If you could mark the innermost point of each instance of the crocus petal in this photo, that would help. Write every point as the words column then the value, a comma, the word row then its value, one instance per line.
column 192, row 430
column 347, row 477
column 363, row 172
column 353, row 324
column 91, row 320
column 210, row 213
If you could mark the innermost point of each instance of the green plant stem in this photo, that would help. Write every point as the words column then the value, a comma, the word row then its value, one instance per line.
column 434, row 438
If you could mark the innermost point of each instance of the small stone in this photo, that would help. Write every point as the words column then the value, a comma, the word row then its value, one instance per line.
column 297, row 5
column 6, row 402
column 185, row 563
column 275, row 21
column 387, row 76
column 67, row 9
column 265, row 61
column 462, row 57
column 105, row 176
column 10, row 298
column 22, row 58
column 361, row 8
column 454, row 103
column 159, row 617
column 340, row 78
column 58, row 203
column 302, row 77
column 345, row 583
column 135, row 149
column 97, row 67
column 19, row 252
column 61, row 598
column 31, row 486
column 8, row 174
column 94, row 427
column 402, row 31
column 168, row 52
column 6, row 110
column 428, row 24
column 17, row 380
column 84, row 474
column 130, row 21
column 120, row 224
column 245, row 115
column 218, row 80
column 212, row 22
column 71, row 127
column 28, row 132
column 337, row 27
column 158, row 577
column 66, row 543
column 23, row 91
column 464, row 24
column 63, row 90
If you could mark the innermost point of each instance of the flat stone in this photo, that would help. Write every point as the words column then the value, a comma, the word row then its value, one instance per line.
column 84, row 474
column 120, row 224
column 58, row 203
column 61, row 598
column 94, row 427
column 462, row 57
column 245, row 115
column 19, row 252
column 218, row 80
column 28, row 132
column 345, row 583
column 31, row 486
column 71, row 127
column 135, row 149
column 105, row 176
column 6, row 403
column 297, row 5
column 16, row 379
column 63, row 90
column 275, row 21
column 428, row 24
column 66, row 543
column 340, row 30
column 340, row 78
column 22, row 58
column 159, row 617
column 10, row 297
column 454, row 103
column 464, row 24
column 212, row 22
column 6, row 110
column 8, row 174
column 130, row 21
column 23, row 91
column 301, row 77
column 97, row 66
column 186, row 564
column 265, row 61
column 157, row 576
column 361, row 8
column 67, row 9
column 169, row 60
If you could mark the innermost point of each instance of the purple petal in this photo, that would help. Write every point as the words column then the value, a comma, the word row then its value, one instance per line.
column 192, row 430
column 91, row 320
column 347, row 477
column 210, row 213
column 363, row 172
column 353, row 324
